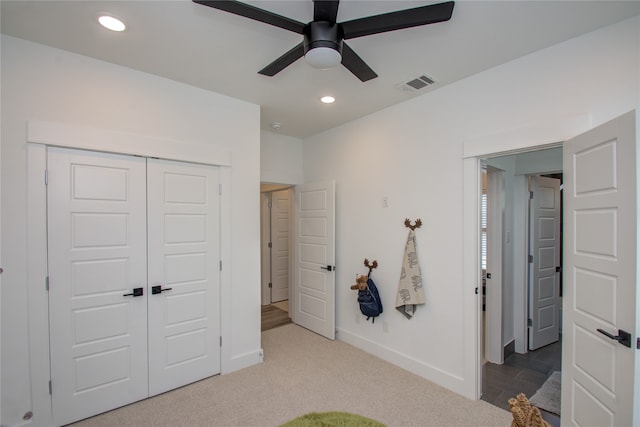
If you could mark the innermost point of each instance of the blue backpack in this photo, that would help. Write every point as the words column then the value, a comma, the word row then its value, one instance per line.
column 369, row 300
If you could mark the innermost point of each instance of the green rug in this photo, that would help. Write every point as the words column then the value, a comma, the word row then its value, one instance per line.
column 332, row 419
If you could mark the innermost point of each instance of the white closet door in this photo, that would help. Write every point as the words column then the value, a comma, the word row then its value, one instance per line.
column 184, row 270
column 97, row 256
column 280, row 225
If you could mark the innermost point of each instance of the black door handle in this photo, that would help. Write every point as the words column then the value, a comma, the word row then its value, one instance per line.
column 328, row 267
column 158, row 289
column 137, row 292
column 623, row 337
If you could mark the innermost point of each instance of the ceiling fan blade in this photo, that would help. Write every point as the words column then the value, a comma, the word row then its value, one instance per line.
column 398, row 20
column 251, row 12
column 325, row 10
column 284, row 61
column 356, row 65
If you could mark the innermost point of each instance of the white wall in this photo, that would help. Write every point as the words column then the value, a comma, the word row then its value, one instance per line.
column 539, row 162
column 413, row 153
column 506, row 164
column 0, row 259
column 44, row 84
column 280, row 158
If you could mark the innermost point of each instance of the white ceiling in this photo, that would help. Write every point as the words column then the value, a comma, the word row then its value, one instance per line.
column 217, row 51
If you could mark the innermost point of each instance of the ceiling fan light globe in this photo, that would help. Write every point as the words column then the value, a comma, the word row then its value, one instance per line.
column 323, row 57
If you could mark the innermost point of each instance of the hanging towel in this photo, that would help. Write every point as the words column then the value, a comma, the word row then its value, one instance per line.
column 410, row 292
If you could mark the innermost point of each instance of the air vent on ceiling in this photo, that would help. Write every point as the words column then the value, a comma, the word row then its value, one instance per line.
column 416, row 84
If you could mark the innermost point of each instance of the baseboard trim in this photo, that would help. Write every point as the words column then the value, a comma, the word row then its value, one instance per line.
column 442, row 378
column 242, row 361
column 509, row 349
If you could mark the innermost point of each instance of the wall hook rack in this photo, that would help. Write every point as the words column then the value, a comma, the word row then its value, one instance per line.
column 371, row 266
column 418, row 224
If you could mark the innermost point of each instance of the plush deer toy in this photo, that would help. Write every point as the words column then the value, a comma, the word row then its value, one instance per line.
column 524, row 414
column 361, row 283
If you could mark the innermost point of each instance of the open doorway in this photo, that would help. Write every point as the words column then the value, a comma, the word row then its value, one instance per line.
column 302, row 255
column 516, row 362
column 275, row 252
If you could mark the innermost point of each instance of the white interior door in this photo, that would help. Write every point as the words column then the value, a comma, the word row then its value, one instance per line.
column 280, row 220
column 600, row 275
column 184, row 273
column 544, row 280
column 97, row 256
column 314, row 292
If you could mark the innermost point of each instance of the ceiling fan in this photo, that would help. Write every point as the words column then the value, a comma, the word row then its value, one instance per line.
column 323, row 45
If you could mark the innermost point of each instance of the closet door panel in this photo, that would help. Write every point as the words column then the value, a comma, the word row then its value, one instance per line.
column 184, row 269
column 97, row 255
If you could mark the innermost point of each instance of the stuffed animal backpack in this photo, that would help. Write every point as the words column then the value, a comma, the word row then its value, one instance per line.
column 369, row 300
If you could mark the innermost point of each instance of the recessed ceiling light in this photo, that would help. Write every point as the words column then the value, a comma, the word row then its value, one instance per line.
column 111, row 23
column 328, row 99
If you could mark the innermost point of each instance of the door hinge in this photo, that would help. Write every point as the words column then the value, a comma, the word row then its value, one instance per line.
column 50, row 388
column 271, row 285
column 220, row 265
column 270, row 245
column 531, row 195
column 638, row 343
column 221, row 341
column 529, row 322
column 530, row 258
column 46, row 283
column 46, row 177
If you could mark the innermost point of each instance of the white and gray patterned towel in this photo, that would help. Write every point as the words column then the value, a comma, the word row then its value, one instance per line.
column 410, row 292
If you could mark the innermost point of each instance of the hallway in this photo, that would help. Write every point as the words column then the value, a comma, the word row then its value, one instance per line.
column 274, row 316
column 521, row 373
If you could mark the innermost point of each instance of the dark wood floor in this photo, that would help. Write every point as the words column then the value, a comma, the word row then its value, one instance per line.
column 521, row 373
column 272, row 317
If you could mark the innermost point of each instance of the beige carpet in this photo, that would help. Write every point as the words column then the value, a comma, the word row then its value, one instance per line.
column 303, row 373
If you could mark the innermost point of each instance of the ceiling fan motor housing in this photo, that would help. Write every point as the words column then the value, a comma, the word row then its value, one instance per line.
column 322, row 34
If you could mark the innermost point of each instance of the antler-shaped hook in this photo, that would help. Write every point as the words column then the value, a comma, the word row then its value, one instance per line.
column 418, row 224
column 371, row 266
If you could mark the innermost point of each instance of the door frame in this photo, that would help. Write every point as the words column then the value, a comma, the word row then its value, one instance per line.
column 542, row 135
column 473, row 173
column 43, row 134
column 493, row 341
